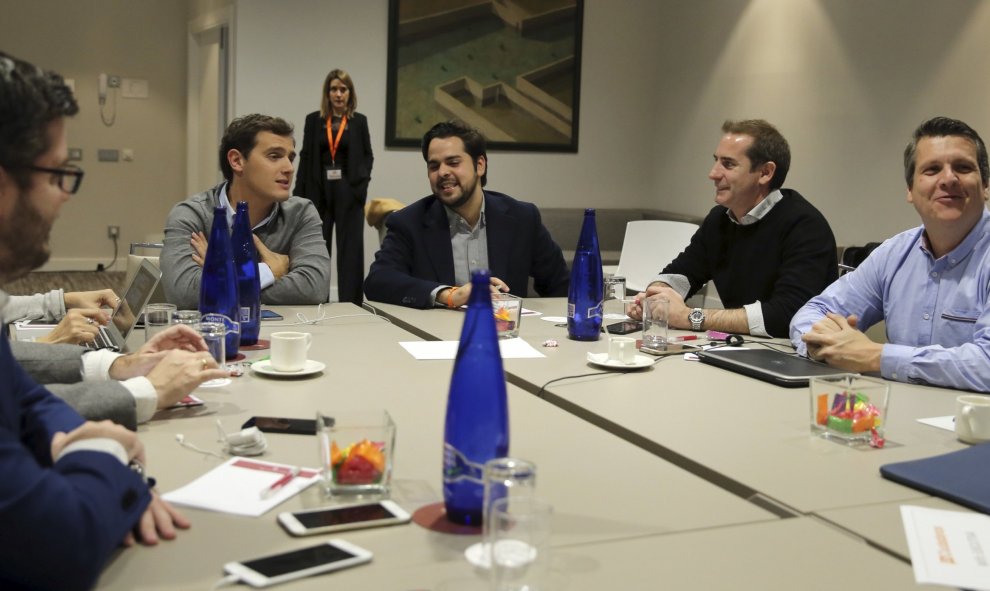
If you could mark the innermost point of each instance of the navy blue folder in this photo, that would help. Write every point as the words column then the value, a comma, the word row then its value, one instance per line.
column 961, row 476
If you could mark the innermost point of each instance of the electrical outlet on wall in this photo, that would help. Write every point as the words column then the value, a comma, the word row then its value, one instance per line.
column 113, row 232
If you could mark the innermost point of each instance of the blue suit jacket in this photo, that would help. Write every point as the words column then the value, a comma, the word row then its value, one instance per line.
column 416, row 255
column 60, row 522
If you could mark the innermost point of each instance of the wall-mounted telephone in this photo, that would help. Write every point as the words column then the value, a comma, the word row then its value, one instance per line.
column 102, row 91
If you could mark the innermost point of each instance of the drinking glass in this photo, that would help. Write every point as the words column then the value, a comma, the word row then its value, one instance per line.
column 157, row 318
column 519, row 538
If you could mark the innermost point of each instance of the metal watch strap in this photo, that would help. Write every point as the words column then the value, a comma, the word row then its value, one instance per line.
column 697, row 318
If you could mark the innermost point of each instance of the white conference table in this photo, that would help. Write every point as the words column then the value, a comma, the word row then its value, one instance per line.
column 604, row 490
column 747, row 436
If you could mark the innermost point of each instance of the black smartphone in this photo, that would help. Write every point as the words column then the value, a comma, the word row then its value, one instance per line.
column 270, row 315
column 627, row 327
column 282, row 425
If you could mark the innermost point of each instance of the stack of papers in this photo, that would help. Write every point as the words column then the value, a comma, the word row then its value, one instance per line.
column 241, row 486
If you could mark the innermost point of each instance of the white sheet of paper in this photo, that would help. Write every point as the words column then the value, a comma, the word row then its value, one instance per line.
column 948, row 547
column 510, row 348
column 948, row 423
column 528, row 312
column 229, row 488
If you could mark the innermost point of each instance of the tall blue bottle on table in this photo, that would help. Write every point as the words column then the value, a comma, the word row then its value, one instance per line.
column 477, row 427
column 248, row 279
column 584, row 295
column 218, row 285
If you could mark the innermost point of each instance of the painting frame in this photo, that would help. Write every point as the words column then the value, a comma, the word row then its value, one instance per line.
column 522, row 91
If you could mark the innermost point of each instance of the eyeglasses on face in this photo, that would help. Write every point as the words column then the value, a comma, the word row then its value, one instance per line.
column 68, row 178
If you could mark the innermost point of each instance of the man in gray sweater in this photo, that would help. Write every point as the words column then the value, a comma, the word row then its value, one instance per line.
column 256, row 158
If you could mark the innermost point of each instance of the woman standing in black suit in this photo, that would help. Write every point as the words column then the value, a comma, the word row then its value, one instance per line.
column 334, row 170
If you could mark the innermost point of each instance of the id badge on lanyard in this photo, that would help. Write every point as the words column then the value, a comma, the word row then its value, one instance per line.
column 334, row 173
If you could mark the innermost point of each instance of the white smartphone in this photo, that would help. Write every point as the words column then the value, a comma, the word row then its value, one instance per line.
column 330, row 519
column 305, row 562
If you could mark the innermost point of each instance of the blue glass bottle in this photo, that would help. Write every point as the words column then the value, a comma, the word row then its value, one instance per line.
column 248, row 279
column 584, row 295
column 477, row 427
column 218, row 285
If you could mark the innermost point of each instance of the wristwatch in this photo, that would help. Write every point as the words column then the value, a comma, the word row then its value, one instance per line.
column 697, row 318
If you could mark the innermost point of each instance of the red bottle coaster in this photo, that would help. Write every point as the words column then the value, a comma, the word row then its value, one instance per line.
column 434, row 518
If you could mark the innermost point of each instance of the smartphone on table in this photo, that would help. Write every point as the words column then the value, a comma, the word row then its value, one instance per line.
column 670, row 349
column 296, row 564
column 282, row 425
column 331, row 519
column 626, row 327
column 271, row 315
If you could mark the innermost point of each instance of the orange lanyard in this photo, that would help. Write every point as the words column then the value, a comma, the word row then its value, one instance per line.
column 340, row 133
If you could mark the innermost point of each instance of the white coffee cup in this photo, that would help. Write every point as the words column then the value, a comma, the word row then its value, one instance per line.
column 289, row 350
column 973, row 418
column 622, row 349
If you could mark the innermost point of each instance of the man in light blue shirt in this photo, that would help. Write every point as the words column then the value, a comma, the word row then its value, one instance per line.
column 930, row 284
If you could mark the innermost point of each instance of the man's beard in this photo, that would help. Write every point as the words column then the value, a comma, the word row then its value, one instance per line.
column 465, row 196
column 23, row 240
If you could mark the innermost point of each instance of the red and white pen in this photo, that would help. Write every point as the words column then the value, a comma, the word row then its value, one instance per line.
column 687, row 337
column 279, row 484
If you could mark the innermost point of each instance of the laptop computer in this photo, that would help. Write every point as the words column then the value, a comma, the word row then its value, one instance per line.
column 779, row 368
column 114, row 335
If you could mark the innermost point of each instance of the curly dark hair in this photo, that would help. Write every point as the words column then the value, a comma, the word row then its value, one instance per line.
column 30, row 99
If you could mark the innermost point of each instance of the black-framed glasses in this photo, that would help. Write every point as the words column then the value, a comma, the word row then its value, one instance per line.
column 69, row 178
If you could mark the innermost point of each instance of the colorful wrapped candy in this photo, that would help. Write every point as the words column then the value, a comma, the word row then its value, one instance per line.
column 850, row 413
column 360, row 463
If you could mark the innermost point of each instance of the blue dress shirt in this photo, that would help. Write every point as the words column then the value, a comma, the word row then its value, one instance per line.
column 937, row 310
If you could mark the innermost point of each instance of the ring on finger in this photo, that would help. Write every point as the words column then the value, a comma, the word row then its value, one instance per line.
column 89, row 321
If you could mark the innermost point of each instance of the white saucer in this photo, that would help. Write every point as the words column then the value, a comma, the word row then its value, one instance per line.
column 602, row 360
column 478, row 555
column 554, row 319
column 265, row 367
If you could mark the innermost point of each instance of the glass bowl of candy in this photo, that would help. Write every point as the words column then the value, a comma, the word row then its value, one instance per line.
column 356, row 452
column 849, row 408
column 507, row 309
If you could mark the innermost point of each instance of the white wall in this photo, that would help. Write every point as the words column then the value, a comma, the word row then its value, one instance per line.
column 846, row 81
column 130, row 38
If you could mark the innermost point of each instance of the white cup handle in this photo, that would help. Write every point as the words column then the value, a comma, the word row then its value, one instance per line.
column 967, row 416
column 309, row 340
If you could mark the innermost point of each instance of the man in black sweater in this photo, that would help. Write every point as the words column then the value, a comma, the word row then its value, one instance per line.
column 767, row 249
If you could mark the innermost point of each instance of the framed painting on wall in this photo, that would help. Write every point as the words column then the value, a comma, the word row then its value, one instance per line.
column 510, row 68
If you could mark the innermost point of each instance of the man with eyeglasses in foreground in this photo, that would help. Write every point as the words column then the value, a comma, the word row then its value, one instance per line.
column 930, row 284
column 72, row 491
column 103, row 385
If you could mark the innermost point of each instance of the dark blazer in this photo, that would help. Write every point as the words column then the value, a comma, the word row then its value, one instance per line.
column 309, row 176
column 61, row 522
column 416, row 255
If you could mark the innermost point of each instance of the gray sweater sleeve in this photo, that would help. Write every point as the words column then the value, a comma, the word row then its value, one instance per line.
column 296, row 231
column 59, row 367
column 180, row 273
column 40, row 306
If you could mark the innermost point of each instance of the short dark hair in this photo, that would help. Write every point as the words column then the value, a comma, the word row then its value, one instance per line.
column 242, row 135
column 474, row 142
column 942, row 127
column 768, row 146
column 30, row 99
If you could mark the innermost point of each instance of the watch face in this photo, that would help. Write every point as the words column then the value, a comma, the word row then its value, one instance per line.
column 697, row 315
